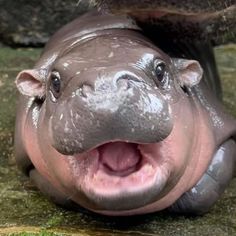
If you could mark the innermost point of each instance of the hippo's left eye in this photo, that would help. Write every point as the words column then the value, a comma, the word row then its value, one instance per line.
column 55, row 84
column 160, row 72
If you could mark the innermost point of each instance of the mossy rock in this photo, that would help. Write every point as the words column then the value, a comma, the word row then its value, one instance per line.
column 24, row 22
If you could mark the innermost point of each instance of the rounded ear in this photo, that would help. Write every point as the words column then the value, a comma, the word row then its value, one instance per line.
column 31, row 83
column 190, row 72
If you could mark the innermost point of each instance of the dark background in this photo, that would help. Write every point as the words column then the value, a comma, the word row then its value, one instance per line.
column 30, row 23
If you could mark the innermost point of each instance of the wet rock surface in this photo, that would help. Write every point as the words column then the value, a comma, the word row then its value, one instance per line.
column 24, row 211
column 32, row 22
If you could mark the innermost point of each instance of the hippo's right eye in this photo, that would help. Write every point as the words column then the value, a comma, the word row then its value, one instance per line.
column 55, row 84
column 160, row 72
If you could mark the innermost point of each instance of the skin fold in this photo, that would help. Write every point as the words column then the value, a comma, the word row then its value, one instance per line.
column 108, row 121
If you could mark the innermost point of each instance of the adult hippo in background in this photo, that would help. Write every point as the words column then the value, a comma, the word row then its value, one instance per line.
column 187, row 20
column 108, row 121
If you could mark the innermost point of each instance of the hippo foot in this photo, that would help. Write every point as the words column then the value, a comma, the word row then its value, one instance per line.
column 206, row 192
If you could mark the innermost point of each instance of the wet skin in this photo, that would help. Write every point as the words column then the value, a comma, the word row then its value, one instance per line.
column 108, row 121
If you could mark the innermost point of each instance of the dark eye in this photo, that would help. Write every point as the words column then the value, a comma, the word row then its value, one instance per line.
column 160, row 72
column 55, row 85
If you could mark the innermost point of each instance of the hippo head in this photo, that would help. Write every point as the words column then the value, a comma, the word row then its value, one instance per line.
column 113, row 113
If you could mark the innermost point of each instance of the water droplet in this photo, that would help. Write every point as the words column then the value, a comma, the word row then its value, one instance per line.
column 111, row 54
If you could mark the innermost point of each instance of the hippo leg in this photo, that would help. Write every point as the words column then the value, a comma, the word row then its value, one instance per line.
column 205, row 193
column 50, row 191
column 22, row 159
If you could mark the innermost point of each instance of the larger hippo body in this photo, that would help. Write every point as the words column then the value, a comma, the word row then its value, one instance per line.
column 108, row 121
column 187, row 20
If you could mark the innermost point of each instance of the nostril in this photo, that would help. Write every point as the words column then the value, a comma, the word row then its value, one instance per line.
column 84, row 90
column 110, row 84
column 123, row 83
column 126, row 81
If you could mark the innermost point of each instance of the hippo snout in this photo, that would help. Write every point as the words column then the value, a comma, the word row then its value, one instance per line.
column 113, row 108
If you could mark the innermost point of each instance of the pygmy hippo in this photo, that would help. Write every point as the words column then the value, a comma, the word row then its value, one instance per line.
column 108, row 121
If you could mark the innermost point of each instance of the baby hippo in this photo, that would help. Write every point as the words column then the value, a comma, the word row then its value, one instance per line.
column 108, row 121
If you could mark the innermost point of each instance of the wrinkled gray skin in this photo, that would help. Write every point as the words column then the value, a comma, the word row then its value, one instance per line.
column 111, row 93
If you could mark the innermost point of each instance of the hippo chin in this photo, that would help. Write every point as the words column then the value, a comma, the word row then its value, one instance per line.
column 108, row 121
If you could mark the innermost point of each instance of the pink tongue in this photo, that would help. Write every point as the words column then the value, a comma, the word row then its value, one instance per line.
column 119, row 156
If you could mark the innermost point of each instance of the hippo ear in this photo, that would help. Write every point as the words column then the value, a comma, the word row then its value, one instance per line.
column 190, row 72
column 31, row 83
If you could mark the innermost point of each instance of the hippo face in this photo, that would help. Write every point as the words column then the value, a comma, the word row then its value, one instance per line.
column 111, row 122
column 101, row 87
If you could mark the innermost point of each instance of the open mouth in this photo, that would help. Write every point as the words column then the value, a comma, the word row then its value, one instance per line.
column 119, row 158
column 122, row 175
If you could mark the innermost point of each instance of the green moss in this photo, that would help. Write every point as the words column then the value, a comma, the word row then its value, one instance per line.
column 55, row 220
column 43, row 233
column 226, row 59
column 11, row 62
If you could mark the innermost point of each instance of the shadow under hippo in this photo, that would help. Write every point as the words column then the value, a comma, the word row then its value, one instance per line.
column 108, row 121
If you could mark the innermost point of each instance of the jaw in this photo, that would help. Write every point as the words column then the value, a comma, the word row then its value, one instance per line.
column 119, row 176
